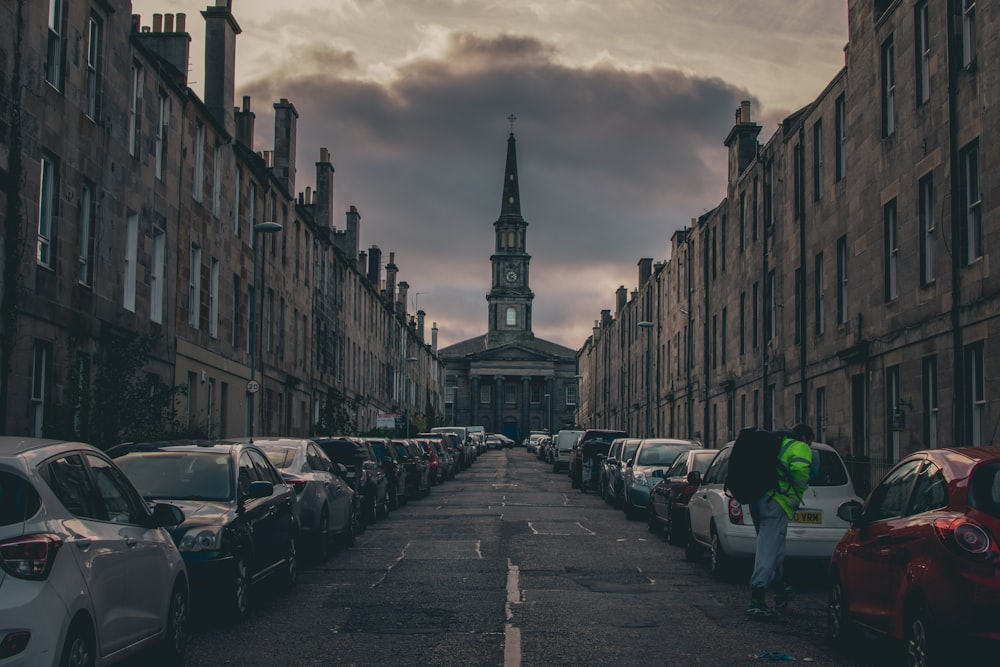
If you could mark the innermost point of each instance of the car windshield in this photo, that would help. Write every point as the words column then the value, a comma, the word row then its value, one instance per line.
column 281, row 457
column 660, row 453
column 984, row 492
column 180, row 475
column 340, row 451
column 831, row 469
column 628, row 450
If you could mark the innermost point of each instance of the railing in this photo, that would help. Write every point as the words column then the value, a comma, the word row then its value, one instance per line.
column 866, row 472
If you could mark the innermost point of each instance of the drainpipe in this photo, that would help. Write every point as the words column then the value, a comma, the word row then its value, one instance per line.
column 958, row 361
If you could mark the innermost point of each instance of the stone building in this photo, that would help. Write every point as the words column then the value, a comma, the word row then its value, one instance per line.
column 507, row 380
column 845, row 279
column 133, row 242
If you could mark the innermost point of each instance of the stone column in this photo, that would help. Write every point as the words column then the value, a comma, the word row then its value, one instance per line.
column 550, row 389
column 474, row 400
column 525, row 406
column 498, row 399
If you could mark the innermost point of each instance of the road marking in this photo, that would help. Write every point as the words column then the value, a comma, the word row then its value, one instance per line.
column 478, row 551
column 402, row 555
column 648, row 578
column 585, row 528
column 512, row 634
column 532, row 528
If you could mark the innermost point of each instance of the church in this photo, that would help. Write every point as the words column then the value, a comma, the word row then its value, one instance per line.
column 507, row 380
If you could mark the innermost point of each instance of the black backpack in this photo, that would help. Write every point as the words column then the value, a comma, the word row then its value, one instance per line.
column 754, row 468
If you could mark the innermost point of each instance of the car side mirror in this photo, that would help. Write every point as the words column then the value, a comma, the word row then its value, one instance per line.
column 166, row 515
column 613, row 461
column 694, row 478
column 260, row 489
column 340, row 470
column 630, row 462
column 850, row 511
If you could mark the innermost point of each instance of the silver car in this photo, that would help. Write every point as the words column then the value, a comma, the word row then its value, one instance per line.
column 327, row 510
column 88, row 573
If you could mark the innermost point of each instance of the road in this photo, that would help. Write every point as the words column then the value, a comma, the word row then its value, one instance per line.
column 509, row 566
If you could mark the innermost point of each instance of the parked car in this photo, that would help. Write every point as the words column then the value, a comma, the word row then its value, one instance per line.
column 395, row 471
column 435, row 466
column 643, row 469
column 585, row 463
column 465, row 446
column 562, row 448
column 493, row 441
column 439, row 442
column 88, row 571
column 614, row 471
column 240, row 514
column 418, row 476
column 327, row 510
column 723, row 527
column 669, row 498
column 364, row 473
column 920, row 561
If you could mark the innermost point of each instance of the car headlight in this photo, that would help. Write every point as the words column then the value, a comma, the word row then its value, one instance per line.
column 640, row 479
column 201, row 538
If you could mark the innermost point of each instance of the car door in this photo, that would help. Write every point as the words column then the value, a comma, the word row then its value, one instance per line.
column 337, row 494
column 279, row 522
column 255, row 514
column 149, row 559
column 700, row 507
column 877, row 542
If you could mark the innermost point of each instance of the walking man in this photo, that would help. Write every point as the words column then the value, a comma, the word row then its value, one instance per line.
column 771, row 513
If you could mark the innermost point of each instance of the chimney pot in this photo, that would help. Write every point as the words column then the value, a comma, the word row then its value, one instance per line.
column 157, row 22
column 182, row 22
column 168, row 23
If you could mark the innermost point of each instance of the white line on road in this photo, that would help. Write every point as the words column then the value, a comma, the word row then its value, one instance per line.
column 585, row 528
column 512, row 634
column 532, row 528
column 394, row 563
column 478, row 551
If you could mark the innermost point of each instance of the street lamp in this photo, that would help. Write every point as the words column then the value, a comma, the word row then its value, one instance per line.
column 648, row 326
column 454, row 405
column 253, row 386
column 406, row 402
column 548, row 410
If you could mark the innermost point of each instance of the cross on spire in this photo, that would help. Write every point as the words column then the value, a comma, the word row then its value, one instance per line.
column 512, row 118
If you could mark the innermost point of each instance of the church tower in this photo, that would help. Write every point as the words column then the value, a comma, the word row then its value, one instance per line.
column 510, row 296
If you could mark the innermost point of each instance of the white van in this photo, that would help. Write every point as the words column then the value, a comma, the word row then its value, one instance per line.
column 563, row 449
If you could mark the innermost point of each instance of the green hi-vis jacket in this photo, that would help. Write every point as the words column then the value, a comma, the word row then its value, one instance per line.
column 796, row 459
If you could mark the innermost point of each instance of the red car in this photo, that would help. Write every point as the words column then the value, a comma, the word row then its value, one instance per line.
column 669, row 497
column 921, row 562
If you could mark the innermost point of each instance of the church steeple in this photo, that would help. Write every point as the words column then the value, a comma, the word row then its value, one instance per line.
column 511, row 204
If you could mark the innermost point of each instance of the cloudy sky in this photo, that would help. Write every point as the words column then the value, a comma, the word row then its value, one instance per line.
column 622, row 109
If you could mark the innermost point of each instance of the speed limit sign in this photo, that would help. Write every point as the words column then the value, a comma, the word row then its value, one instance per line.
column 253, row 387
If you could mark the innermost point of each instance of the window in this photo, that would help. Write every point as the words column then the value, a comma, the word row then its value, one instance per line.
column 571, row 394
column 485, row 394
column 157, row 276
column 926, row 213
column 535, row 394
column 41, row 372
column 889, row 498
column 819, row 296
column 818, row 160
column 269, row 321
column 799, row 305
column 237, row 315
column 799, row 185
column 237, row 209
column 975, row 405
column 888, row 88
column 93, row 65
column 922, row 33
column 511, row 317
column 930, row 382
column 162, row 124
column 715, row 340
column 755, row 316
column 115, row 492
column 131, row 258
column 769, row 307
column 841, row 138
column 768, row 407
column 722, row 241
column 972, row 225
column 213, row 298
column 217, row 182
column 842, row 280
column 87, row 208
column 743, row 322
column 135, row 102
column 891, row 409
column 68, row 479
column 198, row 186
column 821, row 414
column 743, row 220
column 891, row 258
column 968, row 33
column 47, row 200
column 54, row 52
column 194, row 286
column 725, row 336
column 510, row 395
column 252, row 213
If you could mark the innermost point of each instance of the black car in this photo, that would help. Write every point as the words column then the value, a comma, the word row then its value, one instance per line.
column 585, row 464
column 395, row 471
column 417, row 468
column 364, row 473
column 239, row 525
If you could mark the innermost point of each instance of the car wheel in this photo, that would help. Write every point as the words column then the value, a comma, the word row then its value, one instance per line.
column 175, row 636
column 918, row 638
column 383, row 507
column 718, row 564
column 692, row 552
column 671, row 531
column 322, row 546
column 239, row 601
column 349, row 537
column 653, row 521
column 371, row 511
column 838, row 624
column 574, row 481
column 630, row 512
column 393, row 499
column 617, row 497
column 291, row 571
column 79, row 649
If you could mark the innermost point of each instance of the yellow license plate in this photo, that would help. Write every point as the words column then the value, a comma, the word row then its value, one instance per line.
column 808, row 516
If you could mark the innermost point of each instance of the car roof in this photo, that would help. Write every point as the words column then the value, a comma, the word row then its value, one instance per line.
column 13, row 445
column 176, row 446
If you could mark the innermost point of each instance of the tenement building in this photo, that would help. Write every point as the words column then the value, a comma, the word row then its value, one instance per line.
column 159, row 275
column 845, row 279
column 508, row 380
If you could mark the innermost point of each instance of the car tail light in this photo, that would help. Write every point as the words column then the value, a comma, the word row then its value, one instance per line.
column 362, row 477
column 14, row 643
column 30, row 556
column 298, row 484
column 735, row 512
column 688, row 490
column 968, row 537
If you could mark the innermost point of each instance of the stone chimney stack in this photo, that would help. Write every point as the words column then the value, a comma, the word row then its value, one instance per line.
column 221, row 29
column 244, row 122
column 391, row 271
column 170, row 45
column 285, row 128
column 434, row 338
column 324, row 190
column 401, row 301
column 605, row 317
column 645, row 270
column 742, row 141
column 352, row 235
column 621, row 298
column 420, row 324
column 375, row 266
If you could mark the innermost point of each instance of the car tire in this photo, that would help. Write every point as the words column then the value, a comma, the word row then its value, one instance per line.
column 321, row 547
column 918, row 637
column 290, row 573
column 371, row 511
column 382, row 511
column 671, row 529
column 349, row 537
column 718, row 561
column 574, row 481
column 692, row 551
column 617, row 500
column 175, row 636
column 79, row 649
column 631, row 513
column 239, row 594
column 393, row 499
column 839, row 627
column 653, row 521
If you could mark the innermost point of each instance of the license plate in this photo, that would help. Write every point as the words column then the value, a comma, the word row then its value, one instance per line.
column 808, row 516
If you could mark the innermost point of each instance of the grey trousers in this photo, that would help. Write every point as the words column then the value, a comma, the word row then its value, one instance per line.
column 771, row 524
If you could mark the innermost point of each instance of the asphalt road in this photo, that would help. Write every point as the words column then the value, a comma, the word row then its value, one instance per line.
column 509, row 566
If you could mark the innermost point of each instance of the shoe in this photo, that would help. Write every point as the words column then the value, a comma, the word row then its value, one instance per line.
column 758, row 603
column 782, row 592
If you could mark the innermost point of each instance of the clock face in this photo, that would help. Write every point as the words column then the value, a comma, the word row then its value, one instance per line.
column 512, row 276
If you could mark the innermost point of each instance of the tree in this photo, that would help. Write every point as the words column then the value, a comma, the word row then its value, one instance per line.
column 336, row 416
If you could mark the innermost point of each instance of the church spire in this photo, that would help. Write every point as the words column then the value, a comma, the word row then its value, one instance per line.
column 511, row 204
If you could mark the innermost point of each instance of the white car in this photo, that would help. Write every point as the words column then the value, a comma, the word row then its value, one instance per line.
column 562, row 449
column 88, row 574
column 723, row 527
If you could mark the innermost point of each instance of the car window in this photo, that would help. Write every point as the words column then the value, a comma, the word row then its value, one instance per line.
column 716, row 472
column 281, row 457
column 628, row 449
column 18, row 499
column 264, row 468
column 317, row 460
column 247, row 474
column 179, row 475
column 984, row 492
column 701, row 460
column 831, row 469
column 659, row 453
column 931, row 491
column 890, row 497
column 680, row 466
column 68, row 479
column 616, row 447
column 121, row 503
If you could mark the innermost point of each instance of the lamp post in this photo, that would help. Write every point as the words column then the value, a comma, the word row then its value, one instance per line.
column 406, row 402
column 648, row 326
column 548, row 409
column 454, row 405
column 253, row 386
column 577, row 412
